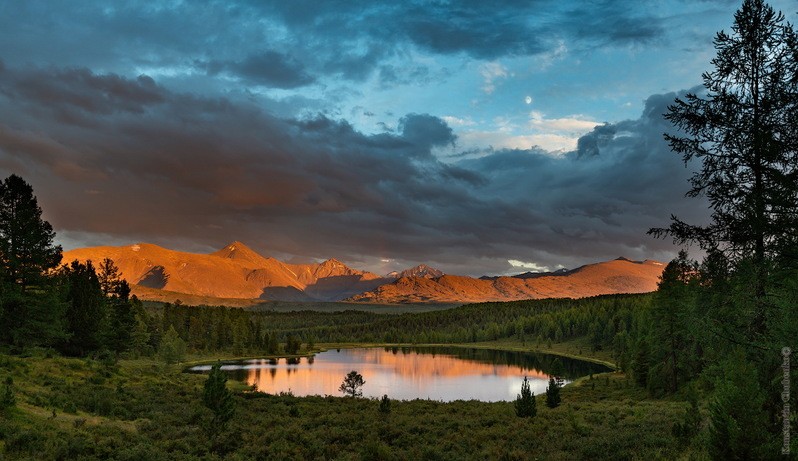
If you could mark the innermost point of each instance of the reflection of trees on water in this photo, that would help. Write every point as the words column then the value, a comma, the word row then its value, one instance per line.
column 552, row 365
column 546, row 363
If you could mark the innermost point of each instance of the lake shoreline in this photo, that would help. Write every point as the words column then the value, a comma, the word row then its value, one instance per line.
column 323, row 347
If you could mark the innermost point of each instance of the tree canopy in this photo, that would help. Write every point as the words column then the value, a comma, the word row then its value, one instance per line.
column 352, row 384
column 26, row 240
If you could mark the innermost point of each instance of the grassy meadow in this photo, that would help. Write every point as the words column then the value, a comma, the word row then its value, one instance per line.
column 69, row 408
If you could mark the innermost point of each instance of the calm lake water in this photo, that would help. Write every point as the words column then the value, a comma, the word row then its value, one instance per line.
column 409, row 373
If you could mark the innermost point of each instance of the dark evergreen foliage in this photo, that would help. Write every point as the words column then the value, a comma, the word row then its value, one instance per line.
column 87, row 309
column 728, row 320
column 385, row 405
column 218, row 398
column 743, row 131
column 7, row 398
column 27, row 251
column 739, row 423
column 172, row 348
column 553, row 393
column 690, row 424
column 352, row 383
column 525, row 402
column 671, row 313
column 30, row 312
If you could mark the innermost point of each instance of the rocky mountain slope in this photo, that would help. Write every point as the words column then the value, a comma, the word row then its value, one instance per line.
column 422, row 270
column 236, row 273
column 618, row 276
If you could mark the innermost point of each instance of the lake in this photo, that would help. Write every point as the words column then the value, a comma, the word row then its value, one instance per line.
column 405, row 373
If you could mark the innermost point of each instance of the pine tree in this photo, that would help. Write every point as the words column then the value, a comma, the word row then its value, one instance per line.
column 553, row 393
column 272, row 346
column 352, row 384
column 172, row 348
column 87, row 309
column 641, row 364
column 742, row 127
column 218, row 398
column 26, row 241
column 743, row 131
column 31, row 318
column 385, row 405
column 525, row 401
column 27, row 317
column 108, row 275
column 738, row 422
column 122, row 317
column 140, row 336
column 671, row 317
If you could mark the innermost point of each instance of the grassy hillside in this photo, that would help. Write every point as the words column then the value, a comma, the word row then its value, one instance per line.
column 141, row 409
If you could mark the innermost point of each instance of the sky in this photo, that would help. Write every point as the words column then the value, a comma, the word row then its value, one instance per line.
column 476, row 137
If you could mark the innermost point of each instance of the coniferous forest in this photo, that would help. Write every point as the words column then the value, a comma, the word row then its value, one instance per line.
column 89, row 371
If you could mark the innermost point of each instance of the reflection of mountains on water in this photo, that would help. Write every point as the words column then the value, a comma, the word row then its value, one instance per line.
column 545, row 363
column 444, row 373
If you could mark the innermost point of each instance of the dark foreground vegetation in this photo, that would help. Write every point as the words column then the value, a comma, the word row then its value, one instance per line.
column 70, row 408
column 704, row 363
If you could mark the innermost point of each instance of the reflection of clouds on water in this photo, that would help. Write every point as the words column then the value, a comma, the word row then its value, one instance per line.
column 402, row 374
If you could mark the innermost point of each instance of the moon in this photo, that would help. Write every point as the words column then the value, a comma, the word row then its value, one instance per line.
column 528, row 99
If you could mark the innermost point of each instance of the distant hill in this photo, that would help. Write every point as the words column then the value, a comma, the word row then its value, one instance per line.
column 236, row 275
column 617, row 276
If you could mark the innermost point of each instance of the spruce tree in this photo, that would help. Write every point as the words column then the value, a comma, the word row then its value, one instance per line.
column 28, row 317
column 122, row 318
column 553, row 393
column 108, row 275
column 27, row 251
column 172, row 348
column 742, row 128
column 352, row 384
column 738, row 422
column 385, row 404
column 87, row 308
column 671, row 316
column 218, row 398
column 525, row 401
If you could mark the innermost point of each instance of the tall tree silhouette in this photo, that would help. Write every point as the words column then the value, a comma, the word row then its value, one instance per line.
column 26, row 240
column 27, row 316
column 218, row 398
column 743, row 129
column 87, row 309
column 352, row 384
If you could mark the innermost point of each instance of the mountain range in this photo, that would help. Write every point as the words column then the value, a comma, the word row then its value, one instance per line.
column 236, row 273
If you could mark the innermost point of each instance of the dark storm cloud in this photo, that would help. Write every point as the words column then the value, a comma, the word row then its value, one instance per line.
column 598, row 200
column 79, row 89
column 270, row 68
column 426, row 131
column 293, row 44
column 213, row 166
column 481, row 29
column 131, row 160
column 612, row 23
